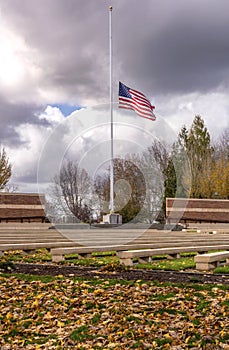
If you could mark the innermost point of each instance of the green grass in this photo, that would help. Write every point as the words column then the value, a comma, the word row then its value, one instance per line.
column 40, row 255
column 165, row 264
column 222, row 269
column 80, row 334
column 93, row 261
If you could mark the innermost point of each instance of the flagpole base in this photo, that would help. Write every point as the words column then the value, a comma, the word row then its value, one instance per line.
column 112, row 219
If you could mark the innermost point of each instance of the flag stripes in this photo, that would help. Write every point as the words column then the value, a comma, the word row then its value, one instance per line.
column 134, row 100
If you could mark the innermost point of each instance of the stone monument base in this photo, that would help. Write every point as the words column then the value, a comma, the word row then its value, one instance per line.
column 113, row 219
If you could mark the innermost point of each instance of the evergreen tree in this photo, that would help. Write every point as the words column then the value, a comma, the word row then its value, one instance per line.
column 198, row 150
column 170, row 182
column 5, row 169
column 194, row 151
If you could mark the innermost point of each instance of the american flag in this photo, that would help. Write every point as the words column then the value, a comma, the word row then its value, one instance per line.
column 135, row 100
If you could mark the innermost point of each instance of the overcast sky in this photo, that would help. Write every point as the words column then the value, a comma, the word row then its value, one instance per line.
column 54, row 58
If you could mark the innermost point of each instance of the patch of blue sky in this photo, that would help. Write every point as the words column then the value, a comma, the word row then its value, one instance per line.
column 65, row 108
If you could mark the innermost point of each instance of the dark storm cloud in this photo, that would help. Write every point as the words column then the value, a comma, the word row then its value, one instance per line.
column 162, row 46
column 180, row 46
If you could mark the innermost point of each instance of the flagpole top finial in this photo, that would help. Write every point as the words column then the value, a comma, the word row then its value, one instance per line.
column 111, row 8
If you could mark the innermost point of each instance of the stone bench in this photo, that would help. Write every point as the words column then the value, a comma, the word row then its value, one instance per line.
column 32, row 247
column 58, row 254
column 144, row 255
column 210, row 261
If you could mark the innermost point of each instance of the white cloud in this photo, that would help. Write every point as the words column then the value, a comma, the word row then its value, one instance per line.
column 24, row 159
column 19, row 71
column 180, row 110
column 53, row 115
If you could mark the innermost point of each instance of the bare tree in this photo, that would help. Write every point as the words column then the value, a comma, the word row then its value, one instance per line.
column 159, row 152
column 72, row 191
column 223, row 145
column 162, row 178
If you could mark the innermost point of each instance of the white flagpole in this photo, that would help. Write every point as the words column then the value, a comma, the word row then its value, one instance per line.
column 111, row 114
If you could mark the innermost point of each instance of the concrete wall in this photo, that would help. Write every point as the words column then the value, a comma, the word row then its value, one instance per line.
column 186, row 210
column 22, row 207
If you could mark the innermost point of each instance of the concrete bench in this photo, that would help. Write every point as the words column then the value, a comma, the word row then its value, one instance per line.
column 126, row 251
column 210, row 261
column 145, row 255
column 32, row 247
column 58, row 254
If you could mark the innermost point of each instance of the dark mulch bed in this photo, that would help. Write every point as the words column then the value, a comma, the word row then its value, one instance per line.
column 130, row 274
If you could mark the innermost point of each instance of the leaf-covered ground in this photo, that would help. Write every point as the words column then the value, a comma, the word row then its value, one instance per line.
column 66, row 313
